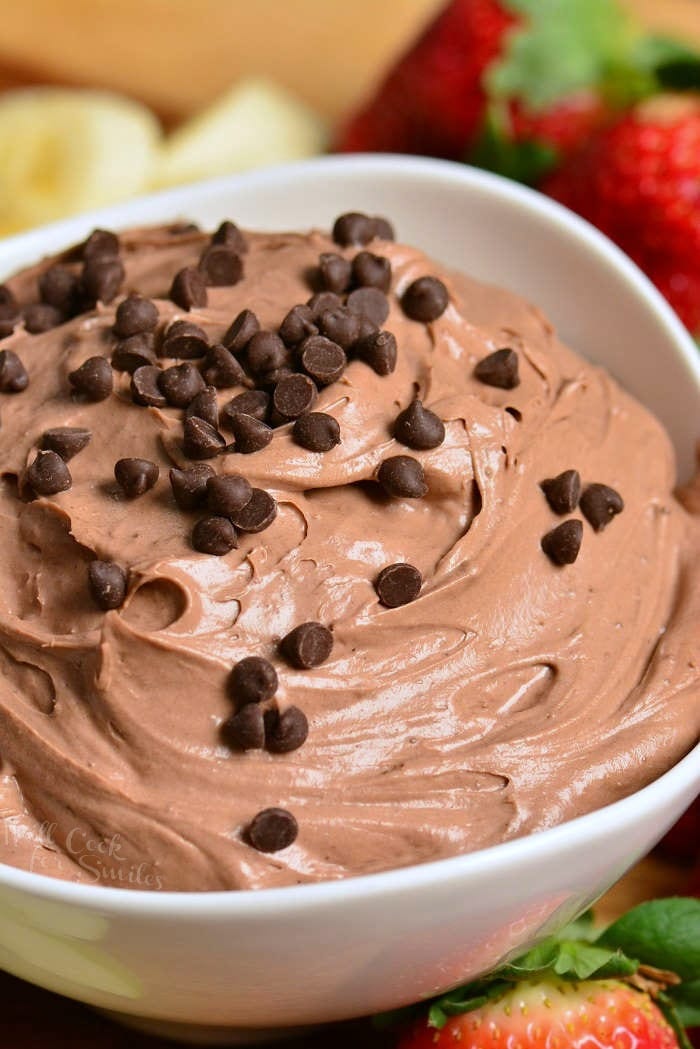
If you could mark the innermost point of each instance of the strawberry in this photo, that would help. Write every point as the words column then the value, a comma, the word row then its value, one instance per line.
column 682, row 843
column 639, row 181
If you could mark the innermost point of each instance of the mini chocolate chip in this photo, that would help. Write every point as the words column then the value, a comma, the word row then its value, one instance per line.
column 322, row 301
column 94, row 379
column 66, row 441
column 190, row 486
column 307, row 645
column 135, row 315
column 425, row 299
column 562, row 492
column 102, row 278
column 180, row 384
column 220, row 266
column 398, row 584
column 188, row 288
column 353, row 228
column 214, row 535
column 563, row 543
column 145, row 389
column 13, row 374
column 107, row 584
column 322, row 359
column 246, row 729
column 241, row 331
column 258, row 513
column 294, row 395
column 340, row 325
column 58, row 287
column 201, row 439
column 205, row 406
column 230, row 236
column 599, row 504
column 379, row 351
column 316, row 432
column 402, row 477
column 417, row 427
column 135, row 477
column 253, row 680
column 250, row 434
column 48, row 474
column 266, row 352
column 101, row 242
column 40, row 317
column 221, row 369
column 184, row 341
column 371, row 271
column 272, row 830
column 499, row 369
column 383, row 229
column 298, row 323
column 252, row 402
column 370, row 303
column 334, row 272
column 228, row 493
column 286, row 731
column 134, row 352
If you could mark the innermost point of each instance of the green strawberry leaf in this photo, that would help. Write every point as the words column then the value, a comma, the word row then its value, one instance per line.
column 686, row 998
column 669, row 1010
column 526, row 162
column 662, row 933
column 680, row 74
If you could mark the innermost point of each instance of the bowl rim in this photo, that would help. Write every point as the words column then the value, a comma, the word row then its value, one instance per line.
column 601, row 822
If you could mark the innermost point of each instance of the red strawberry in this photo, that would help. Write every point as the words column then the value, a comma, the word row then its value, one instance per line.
column 682, row 843
column 639, row 181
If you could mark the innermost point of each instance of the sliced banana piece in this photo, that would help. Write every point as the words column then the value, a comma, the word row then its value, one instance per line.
column 254, row 124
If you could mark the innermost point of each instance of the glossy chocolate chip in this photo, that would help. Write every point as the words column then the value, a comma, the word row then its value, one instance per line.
column 307, row 645
column 250, row 434
column 266, row 352
column 107, row 582
column 334, row 272
column 230, row 236
column 190, row 486
column 253, row 680
column 258, row 513
column 322, row 301
column 135, row 316
column 369, row 303
column 402, row 477
column 398, row 584
column 425, row 299
column 145, row 389
column 228, row 494
column 205, row 406
column 245, row 730
column 419, row 428
column 184, row 341
column 322, row 359
column 101, row 242
column 563, row 543
column 371, row 271
column 297, row 325
column 272, row 830
column 317, row 432
column 134, row 352
column 40, row 317
column 286, row 731
column 293, row 396
column 353, row 227
column 135, row 477
column 66, row 441
column 499, row 369
column 94, row 379
column 201, row 439
column 221, row 369
column 599, row 504
column 188, row 288
column 340, row 325
column 59, row 287
column 101, row 279
column 220, row 266
column 253, row 402
column 180, row 384
column 562, row 492
column 379, row 351
column 13, row 374
column 214, row 535
column 48, row 474
column 241, row 331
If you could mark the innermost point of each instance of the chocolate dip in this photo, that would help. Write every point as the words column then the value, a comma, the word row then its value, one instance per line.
column 511, row 691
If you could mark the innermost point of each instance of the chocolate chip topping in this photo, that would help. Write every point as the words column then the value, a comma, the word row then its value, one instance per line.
column 599, row 504
column 228, row 494
column 402, row 477
column 398, row 584
column 39, row 317
column 419, row 428
column 272, row 830
column 563, row 543
column 180, row 384
column 101, row 242
column 317, row 432
column 190, row 486
column 370, row 303
column 230, row 236
column 322, row 359
column 66, row 441
column 258, row 513
column 293, row 396
column 188, row 288
column 107, row 584
column 379, row 351
column 322, row 301
column 250, row 434
column 242, row 330
column 221, row 369
column 499, row 369
column 220, row 266
column 214, row 535
column 371, row 271
column 135, row 315
column 8, row 302
column 252, row 402
column 145, row 389
column 13, row 374
column 94, row 379
column 135, row 477
column 340, row 325
column 265, row 353
column 334, row 272
column 562, row 492
column 383, row 229
column 201, row 439
column 205, row 406
column 298, row 323
column 59, row 287
column 48, row 474
column 285, row 732
column 102, row 278
column 245, row 730
column 307, row 645
column 353, row 228
column 134, row 352
column 185, row 341
column 253, row 680
column 425, row 299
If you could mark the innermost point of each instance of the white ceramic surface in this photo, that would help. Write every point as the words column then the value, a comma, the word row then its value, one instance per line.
column 214, row 966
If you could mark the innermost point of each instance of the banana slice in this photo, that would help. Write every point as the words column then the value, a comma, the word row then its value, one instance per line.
column 254, row 124
column 69, row 150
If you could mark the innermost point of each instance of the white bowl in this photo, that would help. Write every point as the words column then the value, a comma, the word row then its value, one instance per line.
column 215, row 966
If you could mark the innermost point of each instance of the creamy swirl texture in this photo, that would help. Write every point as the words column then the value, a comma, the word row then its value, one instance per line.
column 511, row 695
